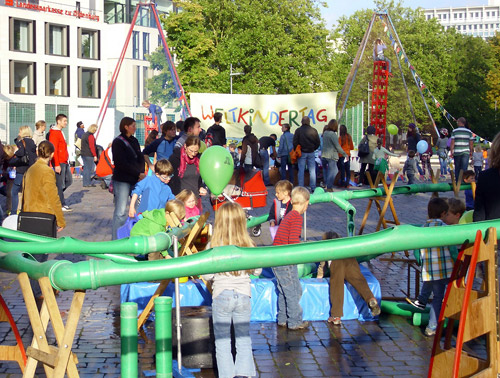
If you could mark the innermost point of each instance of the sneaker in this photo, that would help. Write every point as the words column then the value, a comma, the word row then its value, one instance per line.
column 67, row 209
column 299, row 326
column 374, row 307
column 103, row 185
column 416, row 303
column 429, row 332
column 281, row 324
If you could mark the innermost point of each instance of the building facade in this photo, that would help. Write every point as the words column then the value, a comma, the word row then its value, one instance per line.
column 59, row 57
column 479, row 21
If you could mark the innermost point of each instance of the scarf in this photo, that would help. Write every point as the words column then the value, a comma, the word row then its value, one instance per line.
column 185, row 160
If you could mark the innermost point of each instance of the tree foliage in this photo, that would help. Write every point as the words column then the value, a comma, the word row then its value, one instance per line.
column 279, row 46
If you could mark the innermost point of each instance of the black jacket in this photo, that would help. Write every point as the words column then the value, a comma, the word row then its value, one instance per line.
column 218, row 135
column 487, row 202
column 128, row 159
column 29, row 150
column 307, row 137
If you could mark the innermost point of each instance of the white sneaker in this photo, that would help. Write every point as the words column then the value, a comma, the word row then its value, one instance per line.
column 67, row 209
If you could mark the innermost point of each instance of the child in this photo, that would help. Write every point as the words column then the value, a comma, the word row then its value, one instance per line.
column 234, row 154
column 154, row 189
column 469, row 177
column 281, row 205
column 348, row 270
column 154, row 221
column 379, row 156
column 231, row 296
column 437, row 265
column 425, row 159
column 410, row 167
column 477, row 160
column 456, row 208
column 189, row 199
column 287, row 276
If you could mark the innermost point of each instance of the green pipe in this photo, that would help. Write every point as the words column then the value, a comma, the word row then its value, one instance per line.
column 92, row 274
column 420, row 319
column 401, row 309
column 163, row 336
column 128, row 335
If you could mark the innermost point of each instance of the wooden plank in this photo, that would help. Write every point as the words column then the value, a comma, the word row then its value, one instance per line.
column 45, row 358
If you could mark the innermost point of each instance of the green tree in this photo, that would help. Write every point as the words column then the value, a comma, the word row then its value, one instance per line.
column 279, row 46
column 161, row 84
column 427, row 46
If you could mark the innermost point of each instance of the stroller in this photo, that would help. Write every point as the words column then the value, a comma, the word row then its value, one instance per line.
column 247, row 189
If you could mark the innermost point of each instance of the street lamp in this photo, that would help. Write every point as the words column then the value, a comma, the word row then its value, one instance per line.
column 231, row 74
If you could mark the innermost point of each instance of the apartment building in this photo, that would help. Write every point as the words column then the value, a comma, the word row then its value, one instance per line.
column 480, row 21
column 59, row 57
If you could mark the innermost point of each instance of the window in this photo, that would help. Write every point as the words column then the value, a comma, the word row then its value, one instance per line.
column 487, row 14
column 480, row 26
column 477, row 14
column 470, row 27
column 458, row 27
column 56, row 80
column 471, row 14
column 460, row 15
column 88, row 79
column 492, row 14
column 145, row 45
column 486, row 26
column 475, row 27
column 88, row 44
column 135, row 45
column 56, row 39
column 145, row 78
column 444, row 16
column 22, row 35
column 22, row 77
column 439, row 16
column 20, row 114
column 455, row 16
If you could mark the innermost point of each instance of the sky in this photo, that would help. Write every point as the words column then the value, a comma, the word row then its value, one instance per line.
column 338, row 8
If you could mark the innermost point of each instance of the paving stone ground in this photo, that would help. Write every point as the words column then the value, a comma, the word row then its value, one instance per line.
column 388, row 347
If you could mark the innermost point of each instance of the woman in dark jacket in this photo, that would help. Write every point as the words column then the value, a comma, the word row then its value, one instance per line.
column 88, row 152
column 129, row 169
column 186, row 164
column 24, row 157
column 250, row 157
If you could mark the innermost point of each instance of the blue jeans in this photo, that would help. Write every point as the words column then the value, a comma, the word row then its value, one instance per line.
column 17, row 187
column 344, row 166
column 330, row 170
column 283, row 169
column 63, row 181
column 308, row 157
column 438, row 290
column 88, row 170
column 443, row 165
column 411, row 178
column 425, row 292
column 477, row 170
column 231, row 306
column 121, row 191
column 461, row 163
column 264, row 157
column 289, row 293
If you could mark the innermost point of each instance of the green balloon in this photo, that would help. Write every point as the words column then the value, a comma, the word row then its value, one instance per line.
column 466, row 217
column 392, row 129
column 216, row 168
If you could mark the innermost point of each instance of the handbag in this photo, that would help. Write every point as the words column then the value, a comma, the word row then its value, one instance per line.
column 295, row 154
column 363, row 148
column 42, row 224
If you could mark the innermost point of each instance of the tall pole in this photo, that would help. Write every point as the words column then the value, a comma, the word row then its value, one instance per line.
column 231, row 74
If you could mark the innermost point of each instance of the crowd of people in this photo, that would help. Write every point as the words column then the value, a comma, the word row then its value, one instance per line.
column 164, row 178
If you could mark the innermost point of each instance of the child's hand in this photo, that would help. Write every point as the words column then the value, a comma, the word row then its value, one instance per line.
column 131, row 212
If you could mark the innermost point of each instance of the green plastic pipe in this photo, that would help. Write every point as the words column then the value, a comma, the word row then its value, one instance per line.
column 401, row 309
column 163, row 336
column 93, row 274
column 128, row 335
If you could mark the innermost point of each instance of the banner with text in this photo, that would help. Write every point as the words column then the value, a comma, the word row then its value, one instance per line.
column 265, row 113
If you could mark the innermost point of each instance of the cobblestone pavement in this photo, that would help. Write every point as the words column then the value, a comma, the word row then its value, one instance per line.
column 389, row 347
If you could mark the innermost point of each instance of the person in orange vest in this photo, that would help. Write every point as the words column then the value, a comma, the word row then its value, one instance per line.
column 104, row 168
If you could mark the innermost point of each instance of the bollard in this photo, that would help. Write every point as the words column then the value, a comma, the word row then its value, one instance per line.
column 163, row 335
column 128, row 334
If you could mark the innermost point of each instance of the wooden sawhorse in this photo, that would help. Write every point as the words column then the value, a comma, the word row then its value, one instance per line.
column 60, row 360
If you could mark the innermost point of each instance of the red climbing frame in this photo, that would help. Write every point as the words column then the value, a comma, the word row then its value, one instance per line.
column 379, row 98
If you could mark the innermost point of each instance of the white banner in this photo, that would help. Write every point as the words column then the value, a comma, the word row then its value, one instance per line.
column 265, row 113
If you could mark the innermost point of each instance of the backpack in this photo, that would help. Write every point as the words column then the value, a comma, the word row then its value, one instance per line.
column 363, row 148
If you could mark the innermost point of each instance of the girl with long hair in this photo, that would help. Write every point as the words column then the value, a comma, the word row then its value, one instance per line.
column 344, row 162
column 231, row 296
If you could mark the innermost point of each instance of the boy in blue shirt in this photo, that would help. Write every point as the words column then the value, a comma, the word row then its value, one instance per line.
column 154, row 189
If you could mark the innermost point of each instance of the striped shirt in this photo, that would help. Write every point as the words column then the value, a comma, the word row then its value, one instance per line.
column 289, row 229
column 436, row 261
column 462, row 137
